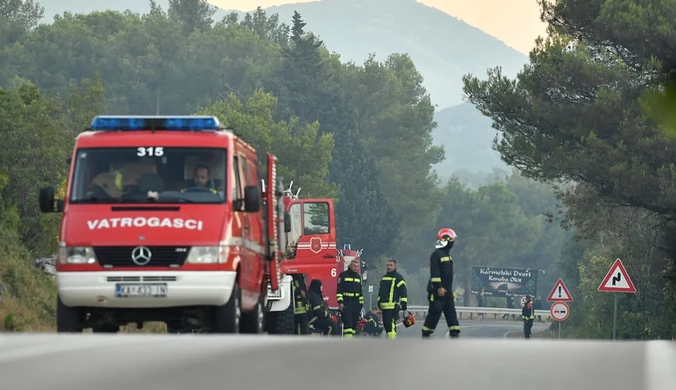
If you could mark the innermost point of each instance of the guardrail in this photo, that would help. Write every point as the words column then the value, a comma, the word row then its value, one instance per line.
column 481, row 312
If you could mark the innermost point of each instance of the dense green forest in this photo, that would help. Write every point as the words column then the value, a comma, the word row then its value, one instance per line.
column 360, row 133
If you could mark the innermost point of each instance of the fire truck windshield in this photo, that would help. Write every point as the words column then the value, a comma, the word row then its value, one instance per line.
column 308, row 218
column 149, row 174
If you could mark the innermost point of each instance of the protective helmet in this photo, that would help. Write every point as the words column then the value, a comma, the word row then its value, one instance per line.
column 444, row 236
column 409, row 320
column 447, row 233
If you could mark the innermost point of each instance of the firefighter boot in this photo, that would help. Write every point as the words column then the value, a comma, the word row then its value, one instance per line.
column 427, row 332
column 454, row 331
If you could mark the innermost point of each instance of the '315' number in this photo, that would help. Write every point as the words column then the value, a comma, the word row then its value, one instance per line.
column 150, row 151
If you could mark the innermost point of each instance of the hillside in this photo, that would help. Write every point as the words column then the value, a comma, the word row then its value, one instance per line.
column 467, row 137
column 58, row 7
column 443, row 48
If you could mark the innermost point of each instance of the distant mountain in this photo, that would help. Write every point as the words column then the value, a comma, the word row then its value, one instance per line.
column 443, row 47
column 467, row 137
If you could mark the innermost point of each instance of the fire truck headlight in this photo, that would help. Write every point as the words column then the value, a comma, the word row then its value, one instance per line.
column 208, row 255
column 77, row 255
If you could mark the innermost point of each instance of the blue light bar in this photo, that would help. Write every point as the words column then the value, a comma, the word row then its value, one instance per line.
column 140, row 123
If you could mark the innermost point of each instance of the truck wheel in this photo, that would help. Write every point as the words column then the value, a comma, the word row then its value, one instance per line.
column 67, row 318
column 106, row 329
column 283, row 322
column 174, row 327
column 227, row 317
column 254, row 322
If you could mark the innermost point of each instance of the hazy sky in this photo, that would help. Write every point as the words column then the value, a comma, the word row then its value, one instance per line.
column 515, row 22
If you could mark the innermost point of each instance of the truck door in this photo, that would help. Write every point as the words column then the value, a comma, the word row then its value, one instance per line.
column 318, row 236
column 242, row 226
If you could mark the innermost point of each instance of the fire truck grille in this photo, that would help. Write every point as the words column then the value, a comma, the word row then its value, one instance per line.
column 123, row 256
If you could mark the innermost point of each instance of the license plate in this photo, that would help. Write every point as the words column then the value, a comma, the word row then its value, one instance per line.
column 141, row 290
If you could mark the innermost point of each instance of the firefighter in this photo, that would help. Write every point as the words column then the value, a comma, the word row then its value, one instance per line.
column 528, row 316
column 320, row 315
column 374, row 326
column 350, row 298
column 302, row 304
column 392, row 297
column 440, row 286
column 201, row 179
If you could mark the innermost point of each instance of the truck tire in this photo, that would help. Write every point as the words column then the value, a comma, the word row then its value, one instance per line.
column 227, row 318
column 106, row 329
column 282, row 322
column 254, row 322
column 67, row 318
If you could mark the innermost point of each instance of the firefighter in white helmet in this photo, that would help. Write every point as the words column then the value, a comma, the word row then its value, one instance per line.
column 440, row 286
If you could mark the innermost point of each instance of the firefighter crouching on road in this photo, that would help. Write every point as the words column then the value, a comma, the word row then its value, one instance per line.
column 302, row 304
column 440, row 286
column 320, row 314
column 373, row 326
column 528, row 315
column 350, row 298
column 392, row 297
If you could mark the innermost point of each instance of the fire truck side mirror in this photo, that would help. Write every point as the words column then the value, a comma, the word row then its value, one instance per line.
column 252, row 199
column 287, row 222
column 48, row 204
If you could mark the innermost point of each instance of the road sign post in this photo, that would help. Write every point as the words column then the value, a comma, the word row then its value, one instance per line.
column 370, row 296
column 617, row 280
column 559, row 312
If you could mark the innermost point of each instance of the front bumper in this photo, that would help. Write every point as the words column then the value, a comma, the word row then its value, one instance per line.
column 183, row 288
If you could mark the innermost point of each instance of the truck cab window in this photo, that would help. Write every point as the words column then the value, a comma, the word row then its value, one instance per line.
column 315, row 218
column 148, row 174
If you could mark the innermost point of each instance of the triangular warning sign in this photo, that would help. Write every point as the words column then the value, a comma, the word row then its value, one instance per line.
column 560, row 293
column 617, row 279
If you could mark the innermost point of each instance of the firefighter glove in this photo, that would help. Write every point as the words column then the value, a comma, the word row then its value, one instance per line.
column 403, row 306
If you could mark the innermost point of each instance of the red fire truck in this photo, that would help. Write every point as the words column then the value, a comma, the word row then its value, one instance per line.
column 311, row 243
column 162, row 220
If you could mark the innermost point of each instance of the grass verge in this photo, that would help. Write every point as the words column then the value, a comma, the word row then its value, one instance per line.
column 27, row 295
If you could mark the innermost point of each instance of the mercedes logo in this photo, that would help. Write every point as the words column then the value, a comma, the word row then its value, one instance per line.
column 141, row 255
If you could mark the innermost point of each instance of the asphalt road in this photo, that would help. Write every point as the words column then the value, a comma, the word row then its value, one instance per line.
column 168, row 362
column 470, row 329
